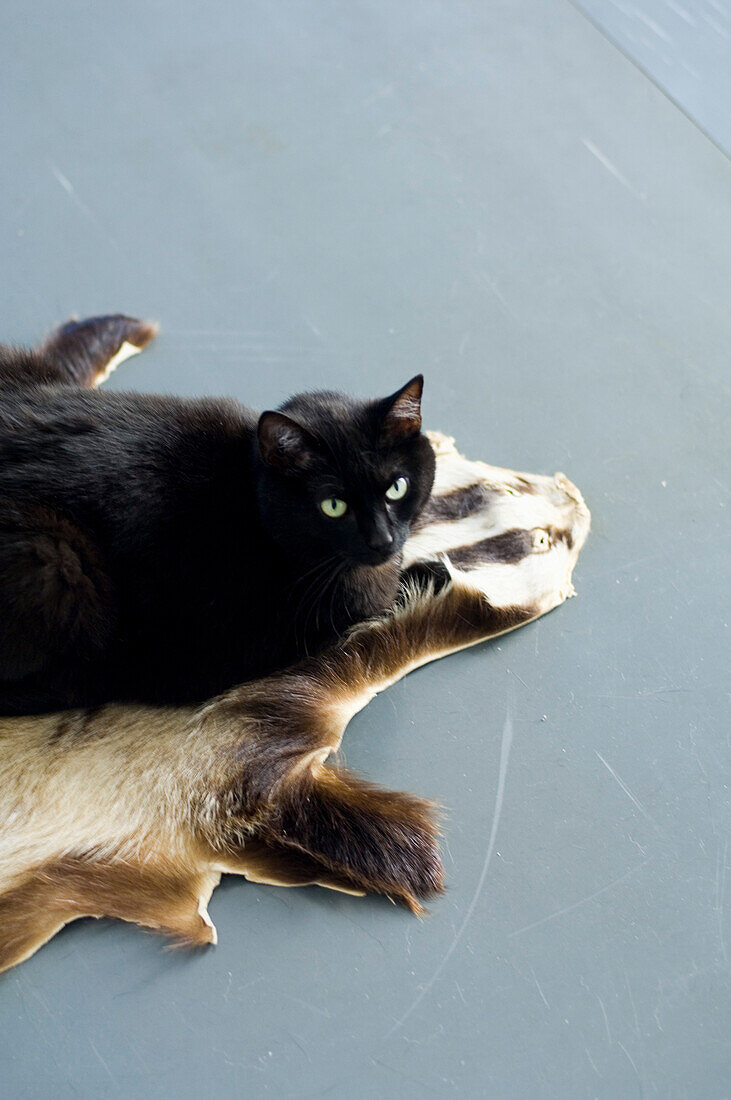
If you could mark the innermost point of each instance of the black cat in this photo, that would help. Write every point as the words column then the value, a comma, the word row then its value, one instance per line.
column 161, row 549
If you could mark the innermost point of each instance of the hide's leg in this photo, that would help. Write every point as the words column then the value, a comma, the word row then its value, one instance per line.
column 26, row 923
column 79, row 353
column 86, row 352
column 381, row 841
column 274, row 864
column 163, row 900
column 425, row 626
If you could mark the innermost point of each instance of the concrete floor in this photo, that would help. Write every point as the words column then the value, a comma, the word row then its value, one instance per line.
column 319, row 193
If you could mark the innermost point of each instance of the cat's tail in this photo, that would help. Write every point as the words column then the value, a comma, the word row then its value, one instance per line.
column 382, row 841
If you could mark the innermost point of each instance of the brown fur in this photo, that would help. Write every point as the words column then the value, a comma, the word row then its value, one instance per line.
column 62, row 891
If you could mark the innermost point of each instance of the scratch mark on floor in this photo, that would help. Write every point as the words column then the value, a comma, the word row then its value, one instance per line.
column 632, row 1002
column 576, row 904
column 106, row 1067
column 652, row 25
column 631, row 1062
column 519, row 678
column 505, row 746
column 538, row 987
column 71, row 192
column 611, row 168
column 606, row 1018
column 720, row 891
column 681, row 13
column 401, row 1073
column 628, row 792
column 307, row 1005
column 484, row 279
column 593, row 1063
column 301, row 1046
column 715, row 25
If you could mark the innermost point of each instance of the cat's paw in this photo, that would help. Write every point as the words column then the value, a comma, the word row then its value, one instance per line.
column 425, row 576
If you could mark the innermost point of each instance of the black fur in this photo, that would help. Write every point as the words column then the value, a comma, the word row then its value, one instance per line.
column 161, row 549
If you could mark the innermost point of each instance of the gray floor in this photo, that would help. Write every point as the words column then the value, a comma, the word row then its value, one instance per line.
column 321, row 193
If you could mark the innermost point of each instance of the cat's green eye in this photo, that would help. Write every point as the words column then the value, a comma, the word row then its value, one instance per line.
column 398, row 489
column 333, row 507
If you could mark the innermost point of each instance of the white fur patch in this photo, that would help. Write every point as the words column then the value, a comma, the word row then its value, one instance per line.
column 203, row 913
column 126, row 351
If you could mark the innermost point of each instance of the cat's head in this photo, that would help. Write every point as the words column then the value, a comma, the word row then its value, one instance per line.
column 344, row 477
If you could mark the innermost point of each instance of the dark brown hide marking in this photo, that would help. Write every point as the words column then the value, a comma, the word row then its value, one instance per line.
column 293, row 713
column 456, row 504
column 386, row 648
column 78, row 725
column 526, row 486
column 561, row 536
column 509, row 547
column 286, row 866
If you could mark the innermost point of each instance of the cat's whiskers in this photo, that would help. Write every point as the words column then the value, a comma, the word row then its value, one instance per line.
column 318, row 578
column 333, row 592
column 313, row 575
column 329, row 585
column 315, row 604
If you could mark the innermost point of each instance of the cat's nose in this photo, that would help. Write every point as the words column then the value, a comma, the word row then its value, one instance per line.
column 380, row 541
column 379, row 537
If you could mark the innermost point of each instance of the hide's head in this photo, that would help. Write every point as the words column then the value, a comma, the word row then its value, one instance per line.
column 514, row 537
column 344, row 477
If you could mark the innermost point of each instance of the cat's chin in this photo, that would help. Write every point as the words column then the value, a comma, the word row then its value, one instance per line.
column 377, row 561
column 371, row 589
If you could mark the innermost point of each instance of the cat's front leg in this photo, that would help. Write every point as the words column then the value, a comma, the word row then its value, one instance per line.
column 423, row 626
column 167, row 896
column 430, row 575
column 367, row 590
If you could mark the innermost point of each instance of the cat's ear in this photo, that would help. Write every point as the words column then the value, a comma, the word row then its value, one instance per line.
column 285, row 444
column 401, row 413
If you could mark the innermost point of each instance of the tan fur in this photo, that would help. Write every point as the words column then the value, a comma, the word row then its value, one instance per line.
column 135, row 812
